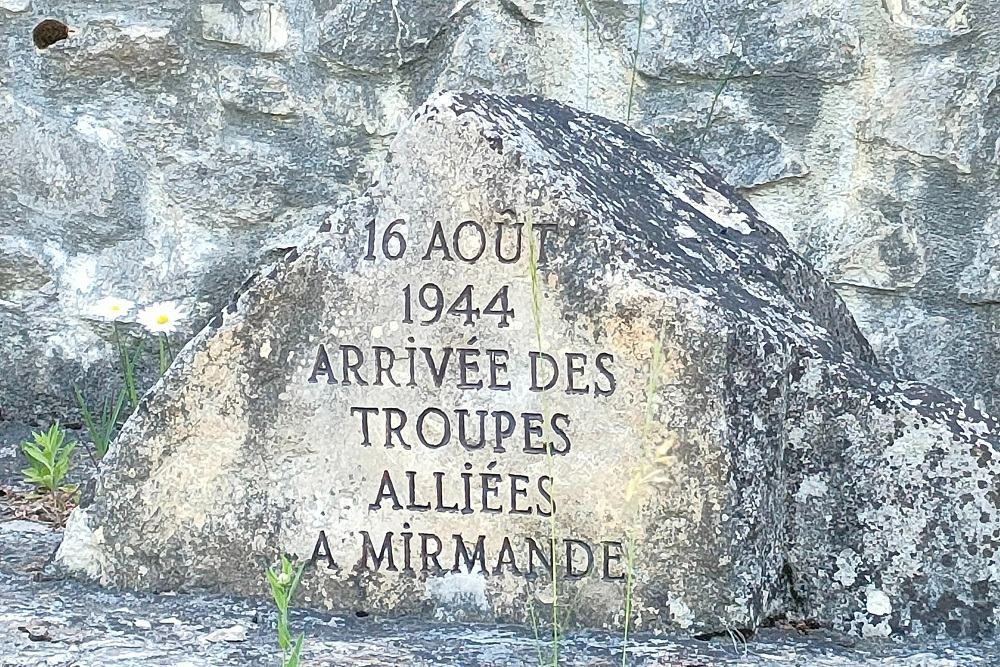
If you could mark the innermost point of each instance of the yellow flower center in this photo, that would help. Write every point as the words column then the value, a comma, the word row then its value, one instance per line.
column 162, row 319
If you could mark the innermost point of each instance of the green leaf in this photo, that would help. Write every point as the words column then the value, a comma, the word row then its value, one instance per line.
column 272, row 582
column 49, row 457
column 32, row 476
column 284, row 639
column 119, row 404
column 55, row 436
column 283, row 578
column 295, row 580
column 63, row 456
column 88, row 419
column 35, row 454
column 293, row 659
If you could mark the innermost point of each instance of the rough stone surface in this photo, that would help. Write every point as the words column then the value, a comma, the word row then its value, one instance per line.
column 754, row 450
column 15, row 6
column 258, row 26
column 166, row 146
column 67, row 624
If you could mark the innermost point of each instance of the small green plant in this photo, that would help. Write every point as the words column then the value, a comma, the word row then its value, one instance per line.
column 159, row 320
column 126, row 361
column 113, row 309
column 101, row 426
column 283, row 581
column 48, row 457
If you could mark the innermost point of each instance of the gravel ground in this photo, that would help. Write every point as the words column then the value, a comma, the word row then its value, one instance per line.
column 62, row 623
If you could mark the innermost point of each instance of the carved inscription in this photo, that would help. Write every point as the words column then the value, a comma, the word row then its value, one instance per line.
column 470, row 489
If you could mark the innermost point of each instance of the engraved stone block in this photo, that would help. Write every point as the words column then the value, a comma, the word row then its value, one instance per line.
column 543, row 346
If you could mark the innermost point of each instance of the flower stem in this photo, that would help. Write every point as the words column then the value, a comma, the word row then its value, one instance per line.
column 128, row 368
column 164, row 362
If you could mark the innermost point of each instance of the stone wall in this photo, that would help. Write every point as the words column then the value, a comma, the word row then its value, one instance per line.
column 166, row 147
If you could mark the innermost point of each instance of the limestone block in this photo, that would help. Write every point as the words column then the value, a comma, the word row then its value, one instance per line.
column 380, row 35
column 980, row 281
column 15, row 6
column 933, row 108
column 261, row 89
column 719, row 36
column 260, row 26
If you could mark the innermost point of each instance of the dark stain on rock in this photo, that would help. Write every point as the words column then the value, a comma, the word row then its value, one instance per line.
column 48, row 32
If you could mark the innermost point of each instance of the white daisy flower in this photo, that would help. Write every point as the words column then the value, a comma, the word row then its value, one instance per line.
column 161, row 317
column 112, row 308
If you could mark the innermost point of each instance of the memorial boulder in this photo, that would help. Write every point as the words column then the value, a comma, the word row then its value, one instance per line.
column 545, row 360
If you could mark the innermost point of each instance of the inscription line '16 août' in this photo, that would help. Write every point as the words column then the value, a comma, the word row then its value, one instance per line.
column 468, row 242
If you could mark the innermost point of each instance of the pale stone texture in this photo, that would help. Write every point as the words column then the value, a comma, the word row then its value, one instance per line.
column 167, row 146
column 777, row 469
column 15, row 6
column 259, row 26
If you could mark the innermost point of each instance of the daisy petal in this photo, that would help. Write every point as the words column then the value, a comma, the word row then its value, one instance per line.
column 112, row 308
column 162, row 317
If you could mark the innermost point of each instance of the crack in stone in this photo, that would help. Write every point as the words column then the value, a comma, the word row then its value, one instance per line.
column 399, row 30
